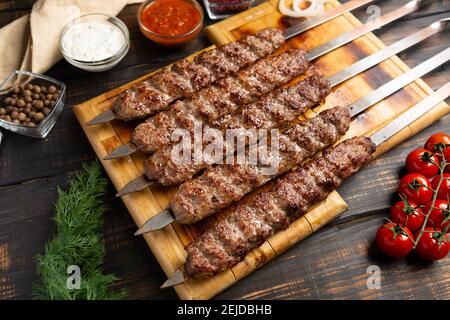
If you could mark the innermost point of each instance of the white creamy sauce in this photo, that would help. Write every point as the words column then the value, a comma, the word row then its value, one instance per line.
column 93, row 41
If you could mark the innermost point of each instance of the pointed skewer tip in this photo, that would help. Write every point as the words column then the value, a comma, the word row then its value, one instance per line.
column 122, row 151
column 138, row 184
column 103, row 117
column 157, row 222
column 177, row 277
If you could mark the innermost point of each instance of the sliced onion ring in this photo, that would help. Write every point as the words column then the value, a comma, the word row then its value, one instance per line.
column 308, row 11
column 315, row 8
column 320, row 8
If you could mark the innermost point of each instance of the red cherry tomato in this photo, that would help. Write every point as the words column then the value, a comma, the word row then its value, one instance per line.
column 440, row 215
column 422, row 161
column 440, row 142
column 416, row 188
column 407, row 214
column 394, row 240
column 444, row 189
column 433, row 244
column 437, row 141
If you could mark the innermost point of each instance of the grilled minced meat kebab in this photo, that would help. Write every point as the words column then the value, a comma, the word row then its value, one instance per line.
column 183, row 78
column 220, row 186
column 225, row 96
column 276, row 110
column 245, row 228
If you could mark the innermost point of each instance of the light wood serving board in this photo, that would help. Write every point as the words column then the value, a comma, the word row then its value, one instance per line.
column 168, row 244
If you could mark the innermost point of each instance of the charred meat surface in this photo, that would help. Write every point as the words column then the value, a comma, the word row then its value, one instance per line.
column 224, row 97
column 220, row 186
column 230, row 239
column 184, row 77
column 276, row 110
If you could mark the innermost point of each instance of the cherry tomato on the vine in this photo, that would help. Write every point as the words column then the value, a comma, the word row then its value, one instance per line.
column 407, row 214
column 444, row 188
column 440, row 215
column 422, row 161
column 416, row 188
column 437, row 141
column 394, row 240
column 433, row 244
column 440, row 143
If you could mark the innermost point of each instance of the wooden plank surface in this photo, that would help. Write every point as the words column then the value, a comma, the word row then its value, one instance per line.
column 168, row 245
column 129, row 257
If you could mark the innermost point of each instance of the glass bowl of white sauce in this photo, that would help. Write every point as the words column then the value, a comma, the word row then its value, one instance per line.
column 95, row 42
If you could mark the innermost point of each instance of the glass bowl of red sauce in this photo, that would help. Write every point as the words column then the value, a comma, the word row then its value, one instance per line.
column 170, row 22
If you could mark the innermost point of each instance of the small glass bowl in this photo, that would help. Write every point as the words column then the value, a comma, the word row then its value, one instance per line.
column 105, row 64
column 170, row 40
column 45, row 126
column 221, row 9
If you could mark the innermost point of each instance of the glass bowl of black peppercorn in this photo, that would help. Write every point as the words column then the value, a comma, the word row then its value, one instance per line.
column 31, row 103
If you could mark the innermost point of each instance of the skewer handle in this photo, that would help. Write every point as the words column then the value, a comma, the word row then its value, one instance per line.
column 363, row 29
column 393, row 49
column 411, row 115
column 398, row 83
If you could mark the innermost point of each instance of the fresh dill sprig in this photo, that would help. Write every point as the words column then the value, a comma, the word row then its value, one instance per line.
column 79, row 217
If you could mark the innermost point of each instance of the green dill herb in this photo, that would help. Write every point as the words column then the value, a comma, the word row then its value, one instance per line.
column 79, row 217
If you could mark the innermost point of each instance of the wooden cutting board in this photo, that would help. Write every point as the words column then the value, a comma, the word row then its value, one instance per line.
column 168, row 244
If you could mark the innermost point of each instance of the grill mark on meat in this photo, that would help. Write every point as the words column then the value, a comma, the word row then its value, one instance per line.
column 171, row 83
column 232, row 239
column 239, row 53
column 262, row 117
column 237, row 92
column 225, row 184
column 269, row 212
column 185, row 77
column 277, row 207
column 217, row 63
column 251, row 227
column 216, row 253
column 280, row 107
column 216, row 180
column 198, row 75
column 258, row 46
column 201, row 263
column 257, row 80
column 219, row 101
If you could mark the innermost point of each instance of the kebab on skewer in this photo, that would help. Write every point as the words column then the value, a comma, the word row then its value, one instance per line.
column 245, row 87
column 220, row 186
column 184, row 77
column 276, row 110
column 248, row 225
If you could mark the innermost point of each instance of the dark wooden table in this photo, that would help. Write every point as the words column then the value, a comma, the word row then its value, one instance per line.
column 332, row 263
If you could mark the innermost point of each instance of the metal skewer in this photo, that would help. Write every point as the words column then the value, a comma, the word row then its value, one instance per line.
column 138, row 184
column 122, row 151
column 363, row 29
column 143, row 182
column 377, row 138
column 411, row 115
column 157, row 222
column 326, row 16
column 297, row 29
column 315, row 53
column 103, row 117
column 166, row 216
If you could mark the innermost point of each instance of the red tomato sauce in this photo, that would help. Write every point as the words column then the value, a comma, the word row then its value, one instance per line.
column 170, row 17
